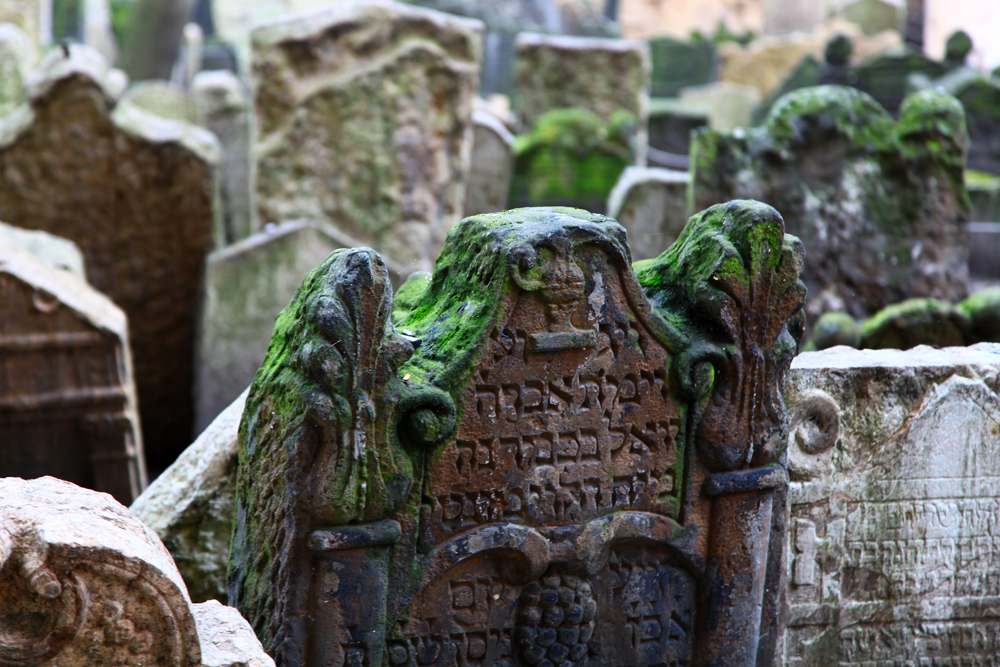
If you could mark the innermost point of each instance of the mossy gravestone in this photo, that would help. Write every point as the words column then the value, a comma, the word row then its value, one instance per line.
column 880, row 205
column 534, row 455
column 364, row 121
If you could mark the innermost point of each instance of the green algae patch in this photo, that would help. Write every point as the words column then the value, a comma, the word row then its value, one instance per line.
column 833, row 329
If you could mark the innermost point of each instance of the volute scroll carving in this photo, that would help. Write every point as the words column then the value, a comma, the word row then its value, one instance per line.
column 532, row 444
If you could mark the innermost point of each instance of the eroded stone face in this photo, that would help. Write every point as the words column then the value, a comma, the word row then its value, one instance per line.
column 134, row 192
column 894, row 506
column 364, row 115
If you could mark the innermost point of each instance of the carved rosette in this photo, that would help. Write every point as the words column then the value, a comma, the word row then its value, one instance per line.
column 83, row 582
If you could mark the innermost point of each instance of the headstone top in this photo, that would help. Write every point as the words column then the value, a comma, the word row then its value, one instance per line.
column 839, row 49
column 68, row 61
column 490, row 120
column 957, row 48
column 984, row 356
column 220, row 90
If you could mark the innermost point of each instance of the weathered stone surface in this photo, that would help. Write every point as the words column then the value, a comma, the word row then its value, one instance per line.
column 894, row 503
column 17, row 57
column 191, row 505
column 670, row 127
column 680, row 64
column 571, row 158
column 246, row 286
column 67, row 398
column 651, row 204
column 600, row 75
column 162, row 98
column 916, row 322
column 376, row 140
column 52, row 251
column 222, row 106
column 879, row 205
column 134, row 191
column 546, row 456
column 84, row 582
column 492, row 165
column 727, row 105
column 227, row 640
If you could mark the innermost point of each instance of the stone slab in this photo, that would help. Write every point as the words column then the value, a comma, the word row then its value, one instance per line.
column 68, row 399
column 227, row 640
column 49, row 249
column 492, row 165
column 652, row 205
column 894, row 503
column 135, row 192
column 377, row 141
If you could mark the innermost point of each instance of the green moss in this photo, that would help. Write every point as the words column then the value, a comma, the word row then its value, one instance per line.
column 847, row 111
column 983, row 311
column 915, row 322
column 834, row 329
column 981, row 180
column 932, row 126
column 409, row 294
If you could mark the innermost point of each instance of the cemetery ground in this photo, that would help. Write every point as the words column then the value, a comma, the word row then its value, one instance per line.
column 377, row 335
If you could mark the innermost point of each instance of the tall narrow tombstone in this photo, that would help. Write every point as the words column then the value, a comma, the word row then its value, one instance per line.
column 492, row 165
column 600, row 75
column 651, row 204
column 222, row 105
column 548, row 457
column 375, row 140
column 17, row 57
column 881, row 206
column 894, row 502
column 134, row 191
column 67, row 398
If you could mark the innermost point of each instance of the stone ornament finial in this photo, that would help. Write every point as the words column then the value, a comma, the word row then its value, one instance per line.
column 536, row 455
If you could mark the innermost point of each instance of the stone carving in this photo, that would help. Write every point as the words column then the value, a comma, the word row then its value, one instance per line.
column 246, row 286
column 600, row 75
column 68, row 400
column 85, row 583
column 492, row 165
column 222, row 105
column 652, row 205
column 880, row 205
column 135, row 193
column 376, row 142
column 191, row 505
column 533, row 456
column 892, row 556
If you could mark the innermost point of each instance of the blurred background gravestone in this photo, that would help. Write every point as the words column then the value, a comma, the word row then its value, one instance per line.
column 677, row 64
column 375, row 142
column 134, row 191
column 492, row 165
column 68, row 399
column 651, row 204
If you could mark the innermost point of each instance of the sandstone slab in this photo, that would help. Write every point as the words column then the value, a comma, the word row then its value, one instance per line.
column 67, row 398
column 375, row 141
column 652, row 205
column 134, row 191
column 894, row 502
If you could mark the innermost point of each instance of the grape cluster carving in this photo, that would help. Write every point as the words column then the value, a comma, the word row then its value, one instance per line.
column 556, row 621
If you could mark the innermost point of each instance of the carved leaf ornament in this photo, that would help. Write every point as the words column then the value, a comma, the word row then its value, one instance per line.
column 515, row 463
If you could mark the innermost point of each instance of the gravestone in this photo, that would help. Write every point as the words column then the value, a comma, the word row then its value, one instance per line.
column 873, row 16
column 680, row 64
column 222, row 106
column 95, row 29
column 134, row 192
column 980, row 97
column 651, row 204
column 600, row 75
column 984, row 196
column 727, row 105
column 85, row 584
column 492, row 165
column 894, row 503
column 29, row 16
column 50, row 250
column 68, row 401
column 162, row 98
column 376, row 142
column 547, row 458
column 670, row 127
column 17, row 57
column 984, row 248
column 246, row 286
column 880, row 205
column 191, row 505
column 885, row 77
column 571, row 158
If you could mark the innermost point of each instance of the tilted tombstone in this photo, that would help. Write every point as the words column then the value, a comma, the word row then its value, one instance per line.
column 17, row 56
column 85, row 584
column 892, row 555
column 134, row 191
column 246, row 286
column 651, row 204
column 548, row 457
column 492, row 165
column 377, row 140
column 600, row 75
column 222, row 105
column 68, row 399
column 680, row 64
column 880, row 205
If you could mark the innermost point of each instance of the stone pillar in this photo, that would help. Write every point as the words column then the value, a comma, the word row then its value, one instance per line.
column 135, row 193
column 375, row 142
